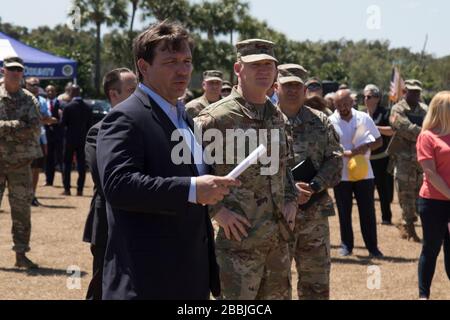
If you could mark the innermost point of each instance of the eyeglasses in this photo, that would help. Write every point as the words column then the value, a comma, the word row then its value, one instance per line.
column 368, row 97
column 34, row 85
column 14, row 69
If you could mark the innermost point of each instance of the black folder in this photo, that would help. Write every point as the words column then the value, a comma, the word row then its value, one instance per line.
column 305, row 172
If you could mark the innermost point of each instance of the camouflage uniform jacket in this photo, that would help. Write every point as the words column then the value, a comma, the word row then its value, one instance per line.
column 313, row 136
column 260, row 198
column 194, row 107
column 407, row 125
column 19, row 128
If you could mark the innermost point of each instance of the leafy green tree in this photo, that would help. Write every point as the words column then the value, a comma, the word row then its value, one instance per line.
column 11, row 30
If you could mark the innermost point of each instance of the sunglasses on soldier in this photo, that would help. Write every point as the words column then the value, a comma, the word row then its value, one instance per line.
column 314, row 86
column 14, row 69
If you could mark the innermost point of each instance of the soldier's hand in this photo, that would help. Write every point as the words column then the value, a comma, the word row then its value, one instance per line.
column 48, row 120
column 290, row 212
column 304, row 192
column 212, row 189
column 232, row 224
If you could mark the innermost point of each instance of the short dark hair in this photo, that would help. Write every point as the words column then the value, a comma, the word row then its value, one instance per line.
column 172, row 34
column 111, row 80
column 317, row 103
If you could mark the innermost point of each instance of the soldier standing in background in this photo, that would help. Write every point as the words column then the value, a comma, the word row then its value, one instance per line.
column 406, row 120
column 19, row 146
column 254, row 262
column 313, row 136
column 212, row 85
column 226, row 89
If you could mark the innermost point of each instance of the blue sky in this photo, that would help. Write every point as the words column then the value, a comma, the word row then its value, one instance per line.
column 404, row 23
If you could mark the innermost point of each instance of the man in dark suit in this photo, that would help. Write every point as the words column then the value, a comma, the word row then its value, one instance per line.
column 118, row 85
column 160, row 238
column 55, row 137
column 77, row 119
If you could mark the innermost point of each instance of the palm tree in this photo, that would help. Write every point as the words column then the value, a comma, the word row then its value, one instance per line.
column 99, row 12
column 175, row 10
column 134, row 7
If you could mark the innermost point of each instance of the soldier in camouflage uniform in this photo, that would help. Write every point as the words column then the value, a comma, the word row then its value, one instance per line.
column 226, row 89
column 212, row 85
column 257, row 266
column 19, row 135
column 313, row 137
column 406, row 120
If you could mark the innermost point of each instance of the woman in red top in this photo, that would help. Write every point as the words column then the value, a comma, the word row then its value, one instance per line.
column 433, row 153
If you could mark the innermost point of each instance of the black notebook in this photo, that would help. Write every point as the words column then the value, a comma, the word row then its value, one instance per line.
column 305, row 172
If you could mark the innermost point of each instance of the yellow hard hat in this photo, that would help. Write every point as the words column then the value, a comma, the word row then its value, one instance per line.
column 358, row 168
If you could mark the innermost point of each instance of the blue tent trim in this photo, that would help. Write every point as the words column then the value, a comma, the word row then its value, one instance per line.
column 38, row 63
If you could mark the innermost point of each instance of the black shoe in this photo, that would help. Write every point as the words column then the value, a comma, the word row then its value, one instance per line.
column 386, row 223
column 35, row 202
column 66, row 193
column 47, row 184
column 376, row 254
column 344, row 252
column 23, row 262
column 80, row 193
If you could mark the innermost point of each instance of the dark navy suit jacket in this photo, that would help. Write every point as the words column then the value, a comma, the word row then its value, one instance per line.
column 159, row 245
column 96, row 228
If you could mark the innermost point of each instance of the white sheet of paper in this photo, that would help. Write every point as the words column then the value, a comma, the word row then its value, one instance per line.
column 365, row 138
column 247, row 162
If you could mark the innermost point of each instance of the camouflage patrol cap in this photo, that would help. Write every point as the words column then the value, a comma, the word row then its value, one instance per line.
column 313, row 84
column 413, row 84
column 291, row 73
column 253, row 50
column 227, row 85
column 13, row 61
column 212, row 75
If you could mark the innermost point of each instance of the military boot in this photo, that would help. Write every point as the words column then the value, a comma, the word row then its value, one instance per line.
column 23, row 262
column 402, row 230
column 412, row 235
column 408, row 232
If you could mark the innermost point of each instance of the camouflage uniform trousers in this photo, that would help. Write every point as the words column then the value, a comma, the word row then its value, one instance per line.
column 20, row 196
column 311, row 252
column 408, row 178
column 258, row 273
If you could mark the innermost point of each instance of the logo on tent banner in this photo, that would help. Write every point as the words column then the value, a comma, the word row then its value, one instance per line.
column 67, row 70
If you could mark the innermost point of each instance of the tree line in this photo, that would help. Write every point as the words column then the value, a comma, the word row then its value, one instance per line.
column 215, row 26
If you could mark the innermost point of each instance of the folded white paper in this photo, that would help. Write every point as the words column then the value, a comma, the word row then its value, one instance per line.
column 247, row 162
column 362, row 136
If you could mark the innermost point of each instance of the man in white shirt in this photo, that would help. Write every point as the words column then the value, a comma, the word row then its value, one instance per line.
column 346, row 121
